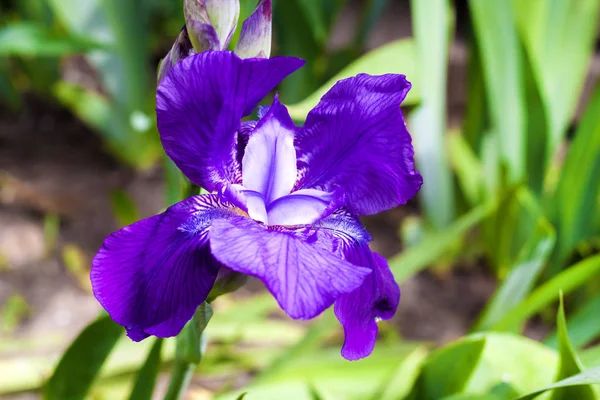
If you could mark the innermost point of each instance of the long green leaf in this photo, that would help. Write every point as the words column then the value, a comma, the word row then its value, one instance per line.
column 146, row 376
column 501, row 57
column 447, row 371
column 30, row 39
column 567, row 281
column 82, row 361
column 569, row 363
column 583, row 325
column 418, row 257
column 522, row 275
column 396, row 57
column 559, row 37
column 432, row 32
column 589, row 377
column 578, row 189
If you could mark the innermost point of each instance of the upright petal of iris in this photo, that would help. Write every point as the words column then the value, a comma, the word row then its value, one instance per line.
column 200, row 104
column 356, row 138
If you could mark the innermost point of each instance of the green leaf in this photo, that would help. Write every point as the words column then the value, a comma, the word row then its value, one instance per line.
column 418, row 257
column 140, row 149
column 583, row 325
column 448, row 370
column 569, row 363
column 30, row 39
column 467, row 167
column 399, row 384
column 576, row 198
column 567, row 281
column 559, row 37
column 432, row 28
column 523, row 273
column 123, row 207
column 496, row 34
column 395, row 57
column 589, row 377
column 146, row 376
column 82, row 361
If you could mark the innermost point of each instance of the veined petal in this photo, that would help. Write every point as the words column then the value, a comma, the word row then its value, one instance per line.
column 200, row 103
column 304, row 279
column 269, row 163
column 255, row 38
column 303, row 207
column 152, row 275
column 356, row 138
column 358, row 311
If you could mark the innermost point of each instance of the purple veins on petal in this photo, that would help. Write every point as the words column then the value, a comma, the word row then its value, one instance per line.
column 303, row 278
column 200, row 106
column 356, row 138
column 269, row 163
column 358, row 311
column 152, row 275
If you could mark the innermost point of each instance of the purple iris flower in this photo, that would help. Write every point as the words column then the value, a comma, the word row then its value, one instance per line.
column 284, row 205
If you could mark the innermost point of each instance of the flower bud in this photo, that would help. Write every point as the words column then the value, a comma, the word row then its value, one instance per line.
column 255, row 38
column 180, row 50
column 211, row 23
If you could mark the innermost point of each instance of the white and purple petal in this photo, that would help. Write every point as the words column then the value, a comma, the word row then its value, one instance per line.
column 255, row 37
column 152, row 275
column 211, row 23
column 199, row 106
column 269, row 162
column 356, row 138
column 305, row 279
column 303, row 207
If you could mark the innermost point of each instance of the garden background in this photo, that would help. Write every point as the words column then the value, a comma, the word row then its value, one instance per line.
column 505, row 118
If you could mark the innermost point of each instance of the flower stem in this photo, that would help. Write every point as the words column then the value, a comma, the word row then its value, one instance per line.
column 180, row 380
column 189, row 350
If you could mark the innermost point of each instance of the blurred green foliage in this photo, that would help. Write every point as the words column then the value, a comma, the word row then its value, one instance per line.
column 507, row 187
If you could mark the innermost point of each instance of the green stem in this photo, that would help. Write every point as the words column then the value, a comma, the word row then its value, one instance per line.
column 180, row 379
column 190, row 347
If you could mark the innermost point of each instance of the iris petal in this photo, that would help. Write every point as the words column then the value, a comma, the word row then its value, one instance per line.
column 377, row 297
column 200, row 103
column 152, row 275
column 269, row 163
column 356, row 138
column 304, row 206
column 303, row 278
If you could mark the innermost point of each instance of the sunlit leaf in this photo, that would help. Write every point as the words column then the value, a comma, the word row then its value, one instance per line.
column 567, row 281
column 588, row 377
column 569, row 363
column 583, row 325
column 576, row 198
column 448, row 370
column 432, row 29
column 418, row 257
column 29, row 39
column 496, row 34
column 523, row 273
